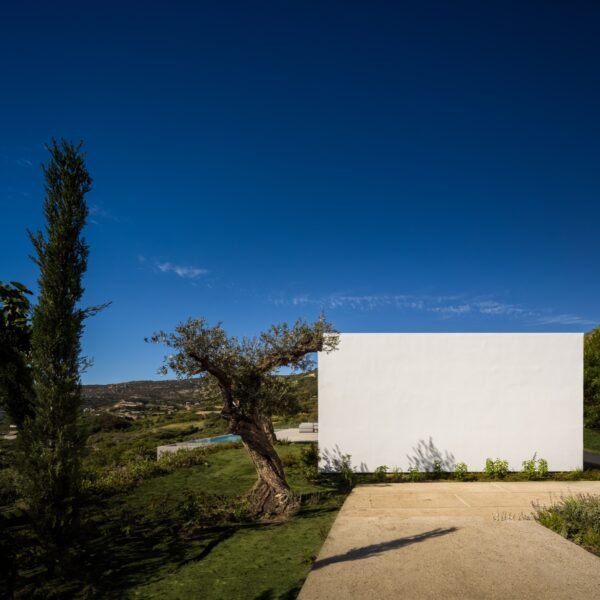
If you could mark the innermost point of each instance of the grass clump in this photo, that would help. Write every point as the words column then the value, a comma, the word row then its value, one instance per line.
column 576, row 518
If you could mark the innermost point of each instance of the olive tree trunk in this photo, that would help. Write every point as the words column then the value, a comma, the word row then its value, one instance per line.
column 271, row 494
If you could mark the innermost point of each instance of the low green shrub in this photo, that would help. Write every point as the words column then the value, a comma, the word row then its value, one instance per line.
column 291, row 461
column 105, row 422
column 496, row 469
column 9, row 487
column 309, row 455
column 535, row 469
column 413, row 474
column 347, row 474
column 529, row 468
column 576, row 518
column 436, row 470
column 309, row 461
column 460, row 471
column 119, row 479
column 380, row 474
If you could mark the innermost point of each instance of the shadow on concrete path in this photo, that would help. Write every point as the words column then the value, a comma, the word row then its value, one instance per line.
column 375, row 549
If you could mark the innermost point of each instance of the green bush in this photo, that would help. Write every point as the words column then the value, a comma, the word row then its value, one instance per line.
column 119, row 479
column 380, row 474
column 529, row 469
column 309, row 461
column 496, row 469
column 461, row 471
column 309, row 455
column 576, row 518
column 346, row 471
column 291, row 460
column 396, row 474
column 105, row 422
column 9, row 488
column 535, row 469
column 414, row 474
column 436, row 470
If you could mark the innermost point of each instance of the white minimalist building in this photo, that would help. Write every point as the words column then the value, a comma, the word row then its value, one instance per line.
column 412, row 399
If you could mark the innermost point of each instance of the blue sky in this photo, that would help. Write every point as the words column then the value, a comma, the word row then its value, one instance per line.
column 427, row 166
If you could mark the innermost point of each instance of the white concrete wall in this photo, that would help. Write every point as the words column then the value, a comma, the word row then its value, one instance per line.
column 392, row 399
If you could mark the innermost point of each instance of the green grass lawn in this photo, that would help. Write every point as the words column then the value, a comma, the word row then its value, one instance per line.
column 140, row 544
column 591, row 440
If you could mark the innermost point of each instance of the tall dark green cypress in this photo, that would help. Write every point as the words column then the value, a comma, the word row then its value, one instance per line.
column 53, row 438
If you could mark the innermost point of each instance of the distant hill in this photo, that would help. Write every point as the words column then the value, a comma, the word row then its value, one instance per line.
column 174, row 393
column 134, row 398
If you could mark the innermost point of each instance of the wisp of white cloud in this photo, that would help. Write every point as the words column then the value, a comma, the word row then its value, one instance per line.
column 445, row 307
column 185, row 272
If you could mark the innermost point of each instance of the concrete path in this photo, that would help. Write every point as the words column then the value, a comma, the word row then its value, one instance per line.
column 451, row 540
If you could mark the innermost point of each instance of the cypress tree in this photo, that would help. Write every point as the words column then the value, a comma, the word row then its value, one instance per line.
column 53, row 437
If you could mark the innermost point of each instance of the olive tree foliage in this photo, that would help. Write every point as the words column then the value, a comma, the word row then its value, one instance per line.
column 591, row 379
column 245, row 372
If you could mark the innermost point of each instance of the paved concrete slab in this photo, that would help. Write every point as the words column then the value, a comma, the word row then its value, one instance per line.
column 451, row 540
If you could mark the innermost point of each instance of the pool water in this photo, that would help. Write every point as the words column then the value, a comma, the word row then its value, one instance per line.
column 219, row 439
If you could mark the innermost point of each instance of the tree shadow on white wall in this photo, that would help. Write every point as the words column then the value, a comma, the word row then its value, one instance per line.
column 427, row 455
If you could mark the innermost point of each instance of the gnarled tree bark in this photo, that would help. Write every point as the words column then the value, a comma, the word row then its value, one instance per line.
column 271, row 494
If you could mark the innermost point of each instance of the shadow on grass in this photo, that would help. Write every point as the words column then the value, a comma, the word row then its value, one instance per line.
column 124, row 550
column 270, row 594
column 118, row 561
column 376, row 549
column 122, row 547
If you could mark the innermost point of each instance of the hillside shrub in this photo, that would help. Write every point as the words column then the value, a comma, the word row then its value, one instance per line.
column 105, row 422
column 119, row 479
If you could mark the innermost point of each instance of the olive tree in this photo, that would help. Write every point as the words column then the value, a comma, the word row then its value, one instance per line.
column 245, row 372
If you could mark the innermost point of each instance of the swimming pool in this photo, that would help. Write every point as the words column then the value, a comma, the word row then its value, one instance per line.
column 219, row 439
